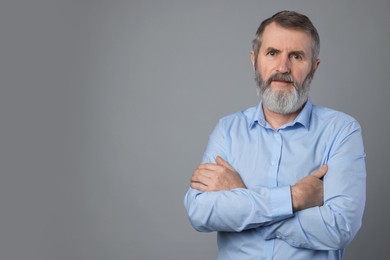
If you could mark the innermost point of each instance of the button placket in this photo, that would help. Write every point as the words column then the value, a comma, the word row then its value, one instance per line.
column 275, row 158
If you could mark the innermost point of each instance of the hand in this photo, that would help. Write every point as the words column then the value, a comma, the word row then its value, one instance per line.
column 309, row 191
column 216, row 177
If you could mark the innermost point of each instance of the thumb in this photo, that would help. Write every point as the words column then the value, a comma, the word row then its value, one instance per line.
column 320, row 172
column 222, row 162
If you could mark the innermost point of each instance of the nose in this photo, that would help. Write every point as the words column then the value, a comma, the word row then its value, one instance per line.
column 283, row 65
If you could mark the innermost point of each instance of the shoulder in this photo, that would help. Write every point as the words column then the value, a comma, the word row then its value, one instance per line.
column 331, row 117
column 240, row 118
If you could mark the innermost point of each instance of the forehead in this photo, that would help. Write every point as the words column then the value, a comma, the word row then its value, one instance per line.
column 278, row 37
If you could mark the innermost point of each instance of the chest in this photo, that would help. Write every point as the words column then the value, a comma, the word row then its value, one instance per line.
column 271, row 159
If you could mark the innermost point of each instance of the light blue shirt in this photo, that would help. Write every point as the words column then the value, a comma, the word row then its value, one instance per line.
column 258, row 222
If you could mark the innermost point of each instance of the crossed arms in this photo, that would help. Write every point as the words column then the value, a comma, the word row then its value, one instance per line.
column 301, row 215
column 306, row 193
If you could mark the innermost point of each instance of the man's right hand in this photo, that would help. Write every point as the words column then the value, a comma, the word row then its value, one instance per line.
column 309, row 191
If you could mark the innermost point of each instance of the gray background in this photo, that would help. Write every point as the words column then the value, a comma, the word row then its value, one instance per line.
column 106, row 106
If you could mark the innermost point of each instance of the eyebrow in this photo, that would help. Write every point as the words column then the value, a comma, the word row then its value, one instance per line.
column 271, row 49
column 299, row 52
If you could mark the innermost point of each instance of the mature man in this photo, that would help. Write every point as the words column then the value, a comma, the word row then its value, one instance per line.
column 285, row 179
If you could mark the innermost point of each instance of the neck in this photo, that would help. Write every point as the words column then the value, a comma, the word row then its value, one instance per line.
column 277, row 120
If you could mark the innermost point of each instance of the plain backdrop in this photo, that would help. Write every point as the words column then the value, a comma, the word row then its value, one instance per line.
column 106, row 107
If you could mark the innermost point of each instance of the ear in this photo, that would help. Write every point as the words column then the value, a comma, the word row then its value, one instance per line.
column 317, row 63
column 252, row 56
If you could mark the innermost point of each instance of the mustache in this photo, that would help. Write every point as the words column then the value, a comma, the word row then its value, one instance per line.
column 280, row 76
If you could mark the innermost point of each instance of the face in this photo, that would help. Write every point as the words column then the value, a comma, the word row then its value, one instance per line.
column 284, row 68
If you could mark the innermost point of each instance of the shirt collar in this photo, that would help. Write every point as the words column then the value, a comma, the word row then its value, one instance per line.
column 303, row 117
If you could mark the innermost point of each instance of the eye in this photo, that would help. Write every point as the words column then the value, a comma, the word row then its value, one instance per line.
column 272, row 53
column 296, row 56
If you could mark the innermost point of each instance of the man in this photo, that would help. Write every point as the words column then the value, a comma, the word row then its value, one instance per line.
column 285, row 179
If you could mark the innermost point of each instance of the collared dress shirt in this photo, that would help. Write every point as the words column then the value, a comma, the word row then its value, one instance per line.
column 258, row 222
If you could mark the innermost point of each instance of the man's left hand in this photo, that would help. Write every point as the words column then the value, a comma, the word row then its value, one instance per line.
column 216, row 177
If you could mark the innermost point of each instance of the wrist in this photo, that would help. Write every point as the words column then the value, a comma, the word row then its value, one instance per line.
column 295, row 199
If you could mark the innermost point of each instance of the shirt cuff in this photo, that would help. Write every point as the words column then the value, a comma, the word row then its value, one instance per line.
column 281, row 201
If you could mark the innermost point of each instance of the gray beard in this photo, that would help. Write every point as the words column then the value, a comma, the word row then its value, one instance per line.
column 282, row 102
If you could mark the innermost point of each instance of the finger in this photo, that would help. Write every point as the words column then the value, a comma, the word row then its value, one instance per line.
column 208, row 166
column 321, row 172
column 223, row 163
column 199, row 186
column 205, row 172
column 200, row 176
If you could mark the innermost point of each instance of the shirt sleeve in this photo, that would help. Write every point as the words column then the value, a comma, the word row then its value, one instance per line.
column 237, row 209
column 333, row 225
